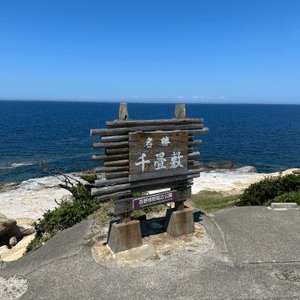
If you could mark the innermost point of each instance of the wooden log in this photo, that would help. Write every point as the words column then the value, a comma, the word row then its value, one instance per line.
column 143, row 189
column 190, row 138
column 116, row 151
column 193, row 167
column 99, row 183
column 135, row 123
column 117, row 175
column 123, row 112
column 116, row 163
column 123, row 116
column 204, row 130
column 106, row 182
column 137, row 184
column 113, row 195
column 110, row 145
column 111, row 169
column 183, row 193
column 119, row 131
column 110, row 157
column 180, row 112
column 110, row 189
column 160, row 186
column 151, row 188
column 114, row 138
column 193, row 155
column 195, row 143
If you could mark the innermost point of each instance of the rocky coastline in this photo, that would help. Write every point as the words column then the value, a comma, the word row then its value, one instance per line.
column 25, row 202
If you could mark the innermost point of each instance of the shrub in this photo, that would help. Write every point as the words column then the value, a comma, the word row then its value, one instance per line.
column 287, row 197
column 65, row 216
column 262, row 192
column 89, row 178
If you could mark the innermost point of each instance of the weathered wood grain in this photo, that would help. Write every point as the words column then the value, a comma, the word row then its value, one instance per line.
column 204, row 130
column 117, row 151
column 120, row 131
column 135, row 123
column 195, row 173
column 180, row 112
column 193, row 167
column 110, row 145
column 195, row 143
column 110, row 157
column 136, row 184
column 157, row 154
column 124, row 162
column 114, row 138
column 123, row 111
column 113, row 195
column 108, row 182
column 117, row 175
column 194, row 155
column 183, row 193
column 111, row 169
column 146, row 188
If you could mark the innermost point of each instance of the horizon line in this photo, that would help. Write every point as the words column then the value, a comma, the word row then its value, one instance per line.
column 148, row 101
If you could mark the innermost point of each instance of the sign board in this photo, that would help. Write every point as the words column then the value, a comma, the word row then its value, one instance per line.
column 154, row 199
column 157, row 154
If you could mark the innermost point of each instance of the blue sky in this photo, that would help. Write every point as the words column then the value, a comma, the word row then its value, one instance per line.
column 184, row 51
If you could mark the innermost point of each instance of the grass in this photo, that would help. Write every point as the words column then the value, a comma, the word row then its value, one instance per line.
column 208, row 201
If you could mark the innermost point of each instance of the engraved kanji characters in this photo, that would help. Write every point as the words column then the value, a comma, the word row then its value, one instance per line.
column 143, row 162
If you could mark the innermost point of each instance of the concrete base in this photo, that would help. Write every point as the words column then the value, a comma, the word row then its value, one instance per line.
column 179, row 222
column 125, row 236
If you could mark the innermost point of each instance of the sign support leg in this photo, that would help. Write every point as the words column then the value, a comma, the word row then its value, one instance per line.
column 127, row 234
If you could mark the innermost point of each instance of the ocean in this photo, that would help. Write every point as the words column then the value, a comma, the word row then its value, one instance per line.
column 261, row 135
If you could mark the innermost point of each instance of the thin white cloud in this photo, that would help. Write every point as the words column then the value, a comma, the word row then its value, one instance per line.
column 203, row 97
column 180, row 97
column 197, row 97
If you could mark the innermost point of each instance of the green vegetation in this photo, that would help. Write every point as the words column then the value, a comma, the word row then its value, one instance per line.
column 207, row 201
column 287, row 197
column 265, row 191
column 89, row 178
column 83, row 206
column 65, row 216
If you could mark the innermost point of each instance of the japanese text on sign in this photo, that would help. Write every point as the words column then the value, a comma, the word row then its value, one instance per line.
column 154, row 199
column 155, row 154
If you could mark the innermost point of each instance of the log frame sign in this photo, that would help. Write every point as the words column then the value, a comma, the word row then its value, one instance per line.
column 157, row 154
column 147, row 155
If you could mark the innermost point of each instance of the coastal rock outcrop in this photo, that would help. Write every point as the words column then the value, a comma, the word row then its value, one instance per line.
column 215, row 165
column 6, row 224
column 10, row 232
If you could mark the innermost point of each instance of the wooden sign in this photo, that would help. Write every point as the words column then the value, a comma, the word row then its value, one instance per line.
column 157, row 154
column 146, row 155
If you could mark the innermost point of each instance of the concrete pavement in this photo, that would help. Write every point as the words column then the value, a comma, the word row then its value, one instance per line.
column 254, row 254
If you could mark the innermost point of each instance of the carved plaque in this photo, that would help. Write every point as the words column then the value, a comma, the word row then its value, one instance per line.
column 157, row 154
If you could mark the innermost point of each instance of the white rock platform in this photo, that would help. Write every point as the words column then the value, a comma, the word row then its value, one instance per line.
column 33, row 197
